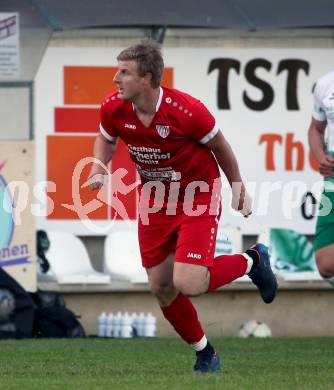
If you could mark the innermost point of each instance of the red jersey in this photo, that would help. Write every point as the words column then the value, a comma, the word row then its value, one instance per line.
column 172, row 148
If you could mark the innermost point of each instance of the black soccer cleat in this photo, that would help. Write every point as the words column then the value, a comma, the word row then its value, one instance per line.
column 261, row 273
column 207, row 362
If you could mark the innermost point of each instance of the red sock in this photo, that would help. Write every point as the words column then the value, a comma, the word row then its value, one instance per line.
column 182, row 315
column 225, row 269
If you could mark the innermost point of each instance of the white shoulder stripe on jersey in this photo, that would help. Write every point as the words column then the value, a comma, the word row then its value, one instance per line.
column 106, row 135
column 210, row 135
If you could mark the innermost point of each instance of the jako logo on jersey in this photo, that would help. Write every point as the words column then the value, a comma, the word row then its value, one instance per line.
column 129, row 126
column 194, row 255
column 163, row 131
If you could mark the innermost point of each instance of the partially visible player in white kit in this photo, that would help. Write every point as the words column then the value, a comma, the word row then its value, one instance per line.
column 323, row 150
column 174, row 141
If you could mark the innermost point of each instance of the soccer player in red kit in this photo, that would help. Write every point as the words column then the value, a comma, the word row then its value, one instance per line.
column 177, row 148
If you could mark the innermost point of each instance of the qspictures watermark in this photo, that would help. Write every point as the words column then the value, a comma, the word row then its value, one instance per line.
column 163, row 197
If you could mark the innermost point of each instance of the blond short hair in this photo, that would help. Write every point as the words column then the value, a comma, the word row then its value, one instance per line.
column 147, row 55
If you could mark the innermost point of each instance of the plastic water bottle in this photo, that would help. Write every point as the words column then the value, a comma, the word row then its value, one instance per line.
column 116, row 324
column 102, row 324
column 109, row 327
column 140, row 324
column 134, row 324
column 126, row 326
column 150, row 325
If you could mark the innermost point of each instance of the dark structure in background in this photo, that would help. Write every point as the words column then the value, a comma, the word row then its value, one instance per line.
column 237, row 14
column 39, row 18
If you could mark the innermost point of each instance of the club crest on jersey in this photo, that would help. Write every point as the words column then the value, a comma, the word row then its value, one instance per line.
column 163, row 131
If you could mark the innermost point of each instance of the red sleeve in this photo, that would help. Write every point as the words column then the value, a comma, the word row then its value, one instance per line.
column 107, row 129
column 202, row 123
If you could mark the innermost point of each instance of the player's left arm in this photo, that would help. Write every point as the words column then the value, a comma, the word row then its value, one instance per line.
column 204, row 129
column 221, row 149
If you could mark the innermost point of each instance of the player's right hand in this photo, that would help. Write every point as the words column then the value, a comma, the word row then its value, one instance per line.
column 95, row 182
column 245, row 205
column 326, row 165
column 241, row 200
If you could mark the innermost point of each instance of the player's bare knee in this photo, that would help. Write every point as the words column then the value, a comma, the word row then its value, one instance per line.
column 161, row 289
column 164, row 293
column 325, row 265
column 165, row 300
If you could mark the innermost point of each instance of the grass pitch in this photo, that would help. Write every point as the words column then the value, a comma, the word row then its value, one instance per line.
column 255, row 364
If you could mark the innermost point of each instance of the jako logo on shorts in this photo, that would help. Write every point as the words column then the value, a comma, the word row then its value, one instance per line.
column 194, row 255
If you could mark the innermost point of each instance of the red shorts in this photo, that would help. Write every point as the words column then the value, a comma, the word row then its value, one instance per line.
column 192, row 238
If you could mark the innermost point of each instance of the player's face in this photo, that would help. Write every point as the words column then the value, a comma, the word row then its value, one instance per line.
column 129, row 83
